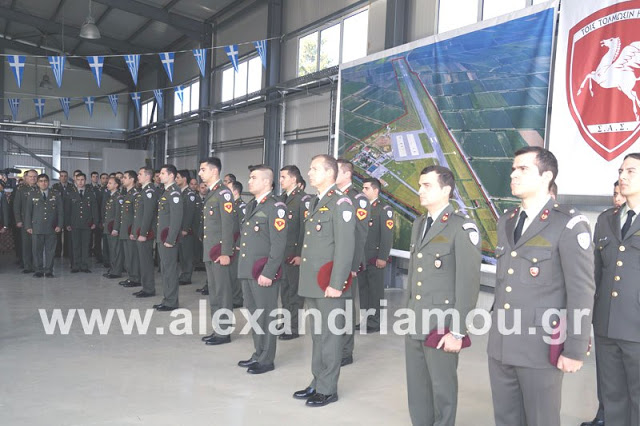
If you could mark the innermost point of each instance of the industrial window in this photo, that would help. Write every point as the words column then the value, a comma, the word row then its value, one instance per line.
column 454, row 14
column 190, row 99
column 325, row 47
column 148, row 112
column 247, row 80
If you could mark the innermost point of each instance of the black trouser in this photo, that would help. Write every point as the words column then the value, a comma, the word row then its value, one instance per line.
column 81, row 238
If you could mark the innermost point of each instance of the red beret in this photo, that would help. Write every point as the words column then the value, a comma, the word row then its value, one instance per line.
column 110, row 226
column 215, row 252
column 258, row 266
column 324, row 276
column 434, row 337
column 164, row 233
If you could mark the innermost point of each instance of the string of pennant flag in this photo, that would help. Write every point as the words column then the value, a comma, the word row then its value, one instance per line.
column 96, row 65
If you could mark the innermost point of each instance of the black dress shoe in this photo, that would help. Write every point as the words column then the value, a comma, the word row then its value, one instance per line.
column 86, row 271
column 594, row 422
column 371, row 330
column 165, row 308
column 106, row 265
column 111, row 276
column 124, row 282
column 320, row 400
column 304, row 393
column 38, row 275
column 235, row 305
column 203, row 289
column 208, row 336
column 131, row 284
column 73, row 271
column 205, row 292
column 247, row 363
column 289, row 336
column 218, row 340
column 136, row 293
column 141, row 294
column 258, row 368
column 49, row 275
column 279, row 326
column 346, row 360
column 357, row 327
column 184, row 282
column 28, row 271
column 157, row 306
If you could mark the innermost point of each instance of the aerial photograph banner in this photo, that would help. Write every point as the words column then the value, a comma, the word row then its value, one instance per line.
column 466, row 99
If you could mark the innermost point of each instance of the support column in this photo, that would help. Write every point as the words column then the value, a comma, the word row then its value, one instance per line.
column 159, row 148
column 394, row 26
column 204, row 126
column 273, row 114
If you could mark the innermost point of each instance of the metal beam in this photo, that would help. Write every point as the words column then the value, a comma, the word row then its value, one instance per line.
column 242, row 12
column 187, row 26
column 6, row 25
column 204, row 126
column 28, row 151
column 394, row 25
column 58, row 9
column 53, row 28
column 274, row 114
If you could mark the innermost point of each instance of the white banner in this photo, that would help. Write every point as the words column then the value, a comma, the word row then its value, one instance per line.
column 595, row 118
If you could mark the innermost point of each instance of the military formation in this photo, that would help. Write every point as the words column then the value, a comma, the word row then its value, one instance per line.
column 324, row 251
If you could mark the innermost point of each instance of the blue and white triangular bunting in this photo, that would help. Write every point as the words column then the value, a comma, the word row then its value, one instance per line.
column 96, row 63
column 201, row 59
column 158, row 94
column 232, row 53
column 65, row 103
column 57, row 66
column 261, row 47
column 113, row 100
column 167, row 59
column 17, row 62
column 135, row 97
column 133, row 62
column 90, row 102
column 14, row 105
column 180, row 93
column 39, row 104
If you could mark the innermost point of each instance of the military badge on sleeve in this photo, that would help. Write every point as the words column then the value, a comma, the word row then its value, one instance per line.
column 347, row 215
column 176, row 200
column 149, row 195
column 584, row 240
column 279, row 224
column 361, row 213
column 228, row 207
column 389, row 224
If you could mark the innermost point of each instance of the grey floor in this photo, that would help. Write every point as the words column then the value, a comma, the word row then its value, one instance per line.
column 118, row 379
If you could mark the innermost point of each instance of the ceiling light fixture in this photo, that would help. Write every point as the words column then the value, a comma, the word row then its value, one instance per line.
column 89, row 29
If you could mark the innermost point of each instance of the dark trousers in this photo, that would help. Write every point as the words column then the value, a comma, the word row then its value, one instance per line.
column 27, row 249
column 147, row 270
column 169, row 266
column 291, row 301
column 131, row 261
column 265, row 298
column 106, row 251
column 349, row 337
column 116, row 254
column 371, row 291
column 17, row 240
column 44, row 250
column 186, row 249
column 236, row 284
column 80, row 245
column 220, row 289
column 96, row 243
column 525, row 396
column 618, row 367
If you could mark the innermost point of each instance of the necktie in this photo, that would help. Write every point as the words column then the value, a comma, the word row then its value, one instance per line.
column 315, row 203
column 284, row 199
column 81, row 194
column 253, row 205
column 44, row 196
column 426, row 229
column 518, row 231
column 627, row 224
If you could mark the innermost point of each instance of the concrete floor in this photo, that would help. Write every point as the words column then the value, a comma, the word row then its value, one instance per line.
column 118, row 379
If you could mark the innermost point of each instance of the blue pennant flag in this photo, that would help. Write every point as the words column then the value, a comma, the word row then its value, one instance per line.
column 14, row 104
column 16, row 62
column 89, row 102
column 65, row 103
column 96, row 63
column 232, row 53
column 133, row 62
column 201, row 59
column 180, row 93
column 39, row 103
column 158, row 94
column 167, row 59
column 261, row 47
column 135, row 97
column 57, row 66
column 113, row 100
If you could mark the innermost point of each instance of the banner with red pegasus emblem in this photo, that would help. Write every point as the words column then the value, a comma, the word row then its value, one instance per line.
column 595, row 117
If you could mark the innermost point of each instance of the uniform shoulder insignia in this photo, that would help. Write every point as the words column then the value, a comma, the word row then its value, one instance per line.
column 461, row 214
column 337, row 191
column 577, row 219
column 149, row 189
column 344, row 200
column 226, row 194
column 565, row 209
column 306, row 197
column 360, row 195
column 280, row 204
column 473, row 233
column 386, row 207
column 192, row 197
column 175, row 193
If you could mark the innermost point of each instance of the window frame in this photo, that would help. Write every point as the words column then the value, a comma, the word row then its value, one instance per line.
column 153, row 112
column 188, row 85
column 479, row 16
column 244, row 60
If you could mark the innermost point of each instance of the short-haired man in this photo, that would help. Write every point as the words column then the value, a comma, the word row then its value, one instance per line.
column 81, row 209
column 105, row 194
column 263, row 240
column 344, row 182
column 218, row 244
column 144, row 226
column 545, row 264
column 157, row 184
column 170, row 212
column 228, row 179
column 444, row 274
column 296, row 201
column 111, row 218
column 63, row 187
column 193, row 185
column 190, row 221
column 23, row 194
column 127, row 231
column 43, row 220
column 330, row 231
column 95, row 245
column 239, row 209
column 616, row 316
column 618, row 198
column 376, row 252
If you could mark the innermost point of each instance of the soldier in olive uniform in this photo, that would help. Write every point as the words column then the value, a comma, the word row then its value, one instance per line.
column 202, row 192
column 127, row 232
column 376, row 253
column 43, row 220
column 361, row 207
column 82, row 211
column 296, row 201
column 263, row 240
column 616, row 316
column 111, row 219
column 545, row 264
column 218, row 244
column 444, row 273
column 330, row 229
column 190, row 221
column 170, row 212
column 144, row 225
column 5, row 213
column 104, row 197
column 23, row 195
column 64, row 187
column 239, row 210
